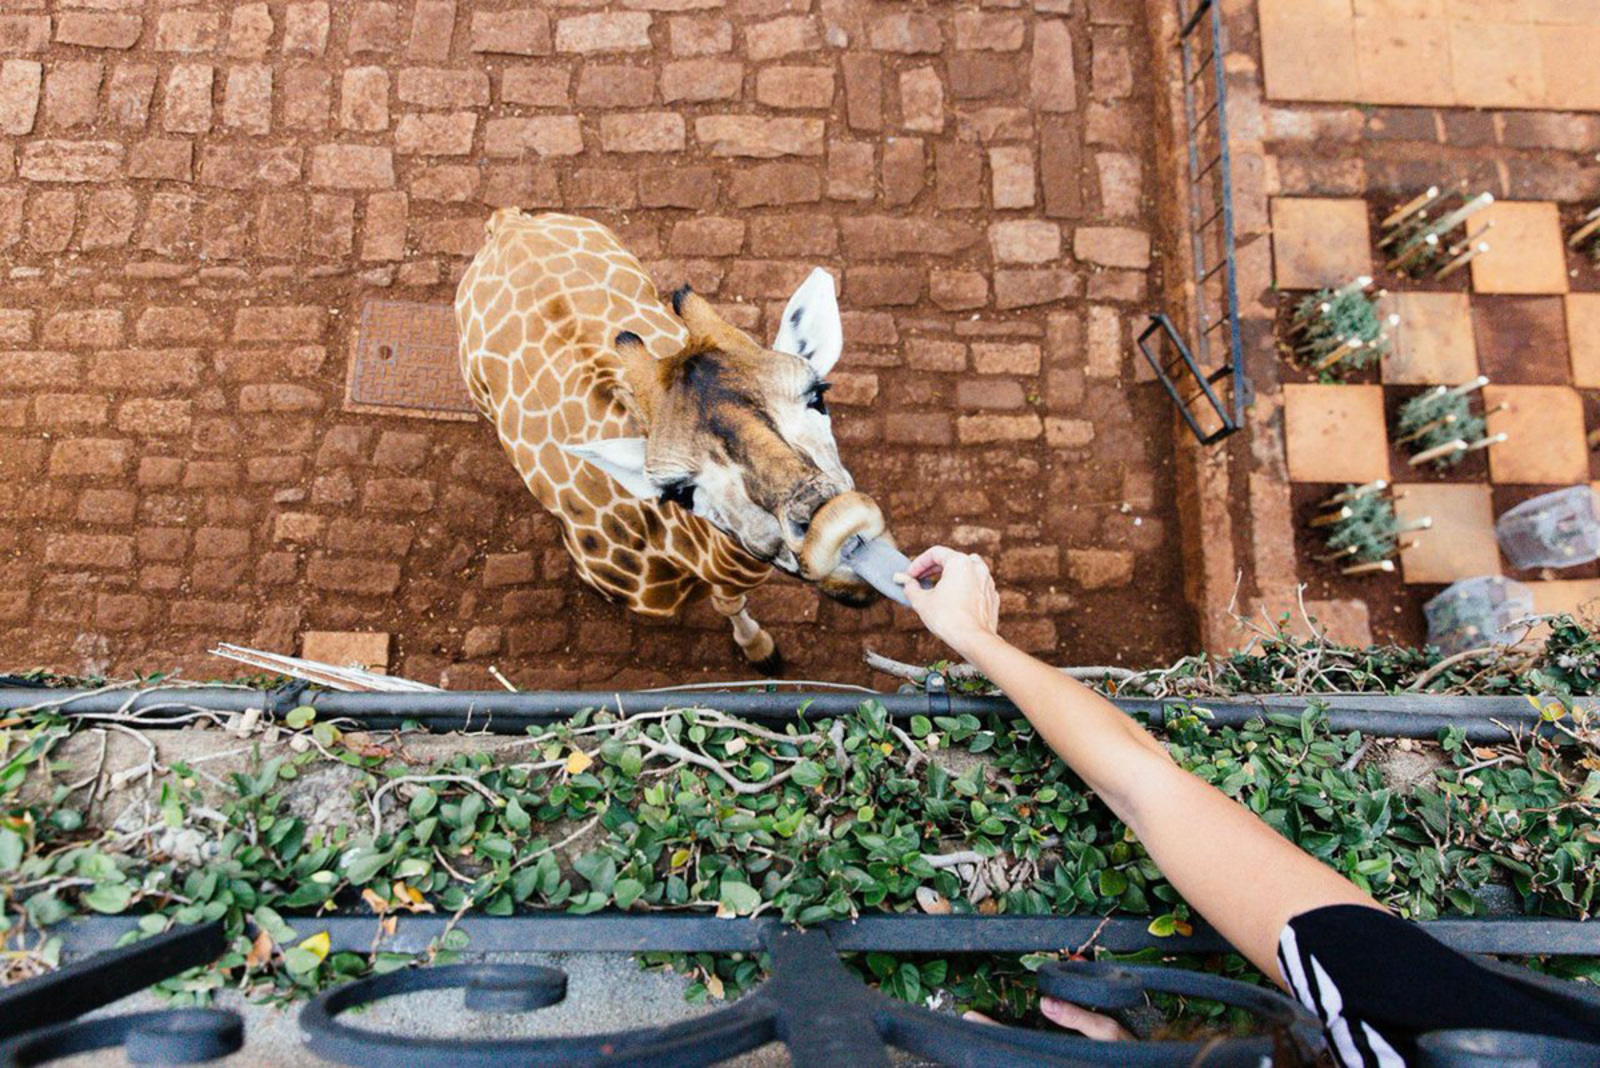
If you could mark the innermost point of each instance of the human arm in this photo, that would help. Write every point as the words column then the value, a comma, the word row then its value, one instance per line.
column 1245, row 879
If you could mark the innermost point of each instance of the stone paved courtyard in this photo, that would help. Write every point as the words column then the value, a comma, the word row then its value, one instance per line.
column 197, row 200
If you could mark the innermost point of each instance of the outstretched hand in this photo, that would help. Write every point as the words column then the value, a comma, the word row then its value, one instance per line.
column 1073, row 1018
column 963, row 607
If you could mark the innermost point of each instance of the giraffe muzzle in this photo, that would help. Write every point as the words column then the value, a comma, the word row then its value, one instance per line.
column 850, row 515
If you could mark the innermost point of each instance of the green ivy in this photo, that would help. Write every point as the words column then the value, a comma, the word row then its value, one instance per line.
column 822, row 820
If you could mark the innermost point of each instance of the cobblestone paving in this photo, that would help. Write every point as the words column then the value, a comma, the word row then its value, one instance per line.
column 196, row 200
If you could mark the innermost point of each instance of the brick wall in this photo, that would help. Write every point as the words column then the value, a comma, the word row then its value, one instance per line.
column 195, row 200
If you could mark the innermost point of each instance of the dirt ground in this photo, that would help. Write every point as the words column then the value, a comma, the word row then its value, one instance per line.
column 197, row 201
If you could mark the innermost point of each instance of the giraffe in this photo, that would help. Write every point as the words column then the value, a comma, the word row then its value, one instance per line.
column 681, row 458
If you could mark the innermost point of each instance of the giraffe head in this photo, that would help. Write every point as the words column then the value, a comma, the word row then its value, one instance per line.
column 740, row 435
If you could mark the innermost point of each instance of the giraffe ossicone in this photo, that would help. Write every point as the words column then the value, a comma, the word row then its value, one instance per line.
column 681, row 458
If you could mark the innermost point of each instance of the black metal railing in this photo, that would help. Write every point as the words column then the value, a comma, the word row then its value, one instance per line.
column 1205, row 377
column 818, row 1008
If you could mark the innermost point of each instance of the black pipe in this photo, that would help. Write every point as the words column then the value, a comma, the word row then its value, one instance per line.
column 887, row 932
column 1483, row 719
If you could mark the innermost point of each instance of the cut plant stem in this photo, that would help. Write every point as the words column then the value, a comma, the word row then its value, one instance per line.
column 1415, row 204
column 1468, row 387
column 1355, row 286
column 1332, row 517
column 1420, row 523
column 1350, row 347
column 1308, row 311
column 1467, row 242
column 1426, row 428
column 1377, row 485
column 1438, row 452
column 1455, row 218
column 1587, row 229
column 1484, row 443
column 1429, row 244
column 1371, row 567
column 1462, row 260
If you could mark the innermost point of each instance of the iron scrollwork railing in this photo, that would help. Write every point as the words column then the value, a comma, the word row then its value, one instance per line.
column 1205, row 379
column 40, row 1020
column 819, row 1009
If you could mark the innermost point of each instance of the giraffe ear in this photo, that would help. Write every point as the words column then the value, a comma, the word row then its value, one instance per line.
column 811, row 328
column 622, row 459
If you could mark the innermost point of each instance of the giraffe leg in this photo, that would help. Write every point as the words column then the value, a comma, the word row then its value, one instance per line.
column 756, row 644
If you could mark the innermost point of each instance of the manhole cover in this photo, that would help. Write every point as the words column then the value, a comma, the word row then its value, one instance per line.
column 406, row 362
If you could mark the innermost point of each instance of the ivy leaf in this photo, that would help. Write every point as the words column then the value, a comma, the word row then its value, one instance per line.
column 300, row 961
column 808, row 773
column 496, row 848
column 739, row 898
column 11, row 849
column 365, row 866
column 516, row 816
column 587, row 902
column 626, row 892
column 1164, row 926
column 471, row 809
column 422, row 803
column 317, row 945
column 301, row 717
column 108, row 898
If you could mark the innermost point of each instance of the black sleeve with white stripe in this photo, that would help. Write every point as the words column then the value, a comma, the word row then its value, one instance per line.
column 1378, row 983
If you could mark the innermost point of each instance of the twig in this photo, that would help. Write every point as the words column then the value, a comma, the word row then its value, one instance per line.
column 1449, row 662
column 915, row 673
column 1355, row 758
column 737, row 785
column 445, row 864
column 1480, row 765
column 950, row 860
column 568, row 840
column 464, row 780
column 917, row 755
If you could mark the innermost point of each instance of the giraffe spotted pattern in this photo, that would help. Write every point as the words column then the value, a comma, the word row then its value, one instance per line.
column 537, row 312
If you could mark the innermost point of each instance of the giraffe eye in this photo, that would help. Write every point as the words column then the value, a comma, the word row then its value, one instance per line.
column 680, row 494
column 816, row 401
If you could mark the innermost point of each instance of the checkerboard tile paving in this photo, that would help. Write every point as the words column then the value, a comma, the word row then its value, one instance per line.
column 1526, row 251
column 1335, row 433
column 1515, row 323
column 1568, row 596
column 1319, row 241
column 1460, row 544
column 1583, row 338
column 1521, row 340
column 1546, row 444
column 1433, row 344
column 1433, row 53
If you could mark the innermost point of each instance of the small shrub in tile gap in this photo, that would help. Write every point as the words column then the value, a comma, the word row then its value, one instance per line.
column 1431, row 233
column 1339, row 330
column 1362, row 530
column 1587, row 237
column 1439, row 426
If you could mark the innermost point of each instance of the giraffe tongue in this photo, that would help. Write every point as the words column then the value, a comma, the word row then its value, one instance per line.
column 877, row 562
